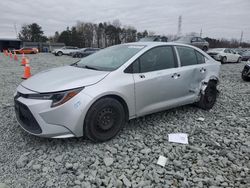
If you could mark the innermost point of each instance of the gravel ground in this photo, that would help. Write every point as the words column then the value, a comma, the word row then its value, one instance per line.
column 217, row 155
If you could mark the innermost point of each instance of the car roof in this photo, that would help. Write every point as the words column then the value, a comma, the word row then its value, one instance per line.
column 154, row 44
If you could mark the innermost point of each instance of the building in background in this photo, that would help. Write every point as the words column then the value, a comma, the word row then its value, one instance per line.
column 11, row 44
column 43, row 46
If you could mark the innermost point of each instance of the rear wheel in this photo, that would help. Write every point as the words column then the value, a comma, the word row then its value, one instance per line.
column 59, row 53
column 239, row 60
column 208, row 99
column 104, row 120
column 204, row 48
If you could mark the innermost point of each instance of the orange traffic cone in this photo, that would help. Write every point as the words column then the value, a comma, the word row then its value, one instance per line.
column 10, row 55
column 15, row 57
column 24, row 59
column 5, row 53
column 27, row 73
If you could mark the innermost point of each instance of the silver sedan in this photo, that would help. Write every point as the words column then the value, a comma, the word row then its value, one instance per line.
column 97, row 95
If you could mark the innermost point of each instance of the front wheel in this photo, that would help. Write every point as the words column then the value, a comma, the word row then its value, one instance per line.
column 208, row 99
column 223, row 60
column 104, row 120
column 59, row 53
column 244, row 77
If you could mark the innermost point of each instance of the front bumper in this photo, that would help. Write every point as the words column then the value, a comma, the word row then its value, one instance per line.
column 38, row 118
column 246, row 71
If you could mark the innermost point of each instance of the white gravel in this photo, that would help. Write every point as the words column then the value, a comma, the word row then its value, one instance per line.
column 217, row 155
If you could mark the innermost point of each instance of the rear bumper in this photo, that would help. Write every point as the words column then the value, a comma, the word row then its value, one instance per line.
column 216, row 57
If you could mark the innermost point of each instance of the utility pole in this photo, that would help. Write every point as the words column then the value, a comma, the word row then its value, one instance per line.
column 179, row 26
column 241, row 37
column 201, row 33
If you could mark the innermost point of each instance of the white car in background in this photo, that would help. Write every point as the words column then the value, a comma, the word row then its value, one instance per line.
column 66, row 50
column 224, row 55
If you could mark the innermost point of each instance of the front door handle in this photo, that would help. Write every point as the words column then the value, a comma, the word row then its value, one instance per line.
column 142, row 76
column 175, row 75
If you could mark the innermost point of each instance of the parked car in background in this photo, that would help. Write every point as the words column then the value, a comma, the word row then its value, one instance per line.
column 84, row 52
column 240, row 50
column 245, row 56
column 26, row 50
column 224, row 55
column 156, row 38
column 66, row 50
column 98, row 94
column 194, row 41
column 245, row 75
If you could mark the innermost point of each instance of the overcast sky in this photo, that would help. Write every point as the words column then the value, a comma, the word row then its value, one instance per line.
column 217, row 18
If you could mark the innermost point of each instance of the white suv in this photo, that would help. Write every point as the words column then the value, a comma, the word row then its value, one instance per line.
column 66, row 50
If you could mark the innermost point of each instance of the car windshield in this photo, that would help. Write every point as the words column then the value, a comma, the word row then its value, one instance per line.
column 110, row 58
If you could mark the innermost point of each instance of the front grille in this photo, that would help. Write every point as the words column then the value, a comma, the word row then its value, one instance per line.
column 25, row 117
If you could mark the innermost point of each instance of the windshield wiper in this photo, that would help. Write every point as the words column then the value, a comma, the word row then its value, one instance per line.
column 89, row 67
column 74, row 64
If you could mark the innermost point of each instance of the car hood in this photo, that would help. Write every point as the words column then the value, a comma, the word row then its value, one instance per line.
column 63, row 78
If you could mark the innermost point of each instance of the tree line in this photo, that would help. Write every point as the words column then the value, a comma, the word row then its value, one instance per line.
column 104, row 34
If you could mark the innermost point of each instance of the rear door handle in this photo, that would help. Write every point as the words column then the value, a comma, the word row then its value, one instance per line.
column 202, row 70
column 175, row 75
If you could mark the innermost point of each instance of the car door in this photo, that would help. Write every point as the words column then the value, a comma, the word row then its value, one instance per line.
column 195, row 42
column 193, row 70
column 228, row 55
column 158, row 84
column 234, row 56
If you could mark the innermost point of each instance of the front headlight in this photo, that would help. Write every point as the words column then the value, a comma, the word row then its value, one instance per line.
column 58, row 98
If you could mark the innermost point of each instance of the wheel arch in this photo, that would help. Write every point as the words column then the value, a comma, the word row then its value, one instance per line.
column 116, row 97
column 205, row 82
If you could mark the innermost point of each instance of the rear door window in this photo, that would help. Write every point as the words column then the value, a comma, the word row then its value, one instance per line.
column 187, row 56
column 200, row 58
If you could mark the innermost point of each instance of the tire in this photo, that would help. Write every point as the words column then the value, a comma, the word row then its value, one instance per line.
column 223, row 60
column 239, row 60
column 59, row 53
column 205, row 48
column 208, row 99
column 80, row 56
column 104, row 120
column 245, row 78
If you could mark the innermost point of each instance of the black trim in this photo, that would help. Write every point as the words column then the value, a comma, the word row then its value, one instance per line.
column 130, row 70
column 26, row 118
